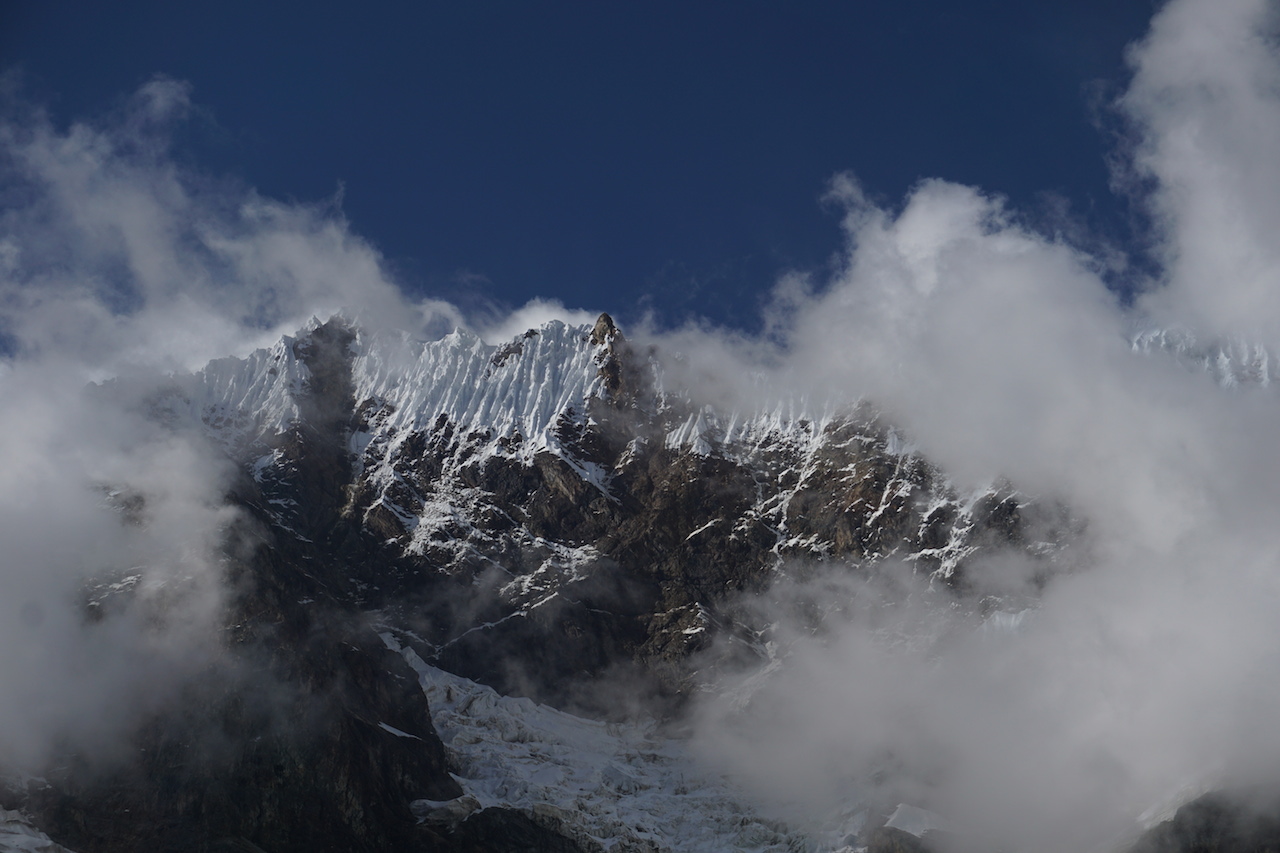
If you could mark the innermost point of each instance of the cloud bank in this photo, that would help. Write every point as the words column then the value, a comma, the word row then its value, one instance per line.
column 116, row 261
column 120, row 260
column 114, row 254
column 1001, row 349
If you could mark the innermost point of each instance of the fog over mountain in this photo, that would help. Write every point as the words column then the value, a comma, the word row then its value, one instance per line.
column 1087, row 670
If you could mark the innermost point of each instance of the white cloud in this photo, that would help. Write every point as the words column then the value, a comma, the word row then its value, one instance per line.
column 531, row 315
column 65, row 677
column 118, row 255
column 1004, row 354
column 1205, row 101
column 116, row 261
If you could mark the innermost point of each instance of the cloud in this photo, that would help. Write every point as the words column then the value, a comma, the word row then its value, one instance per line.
column 531, row 315
column 1005, row 355
column 115, row 261
column 113, row 253
column 91, row 493
column 1204, row 104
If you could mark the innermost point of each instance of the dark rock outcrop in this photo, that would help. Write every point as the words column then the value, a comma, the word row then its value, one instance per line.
column 613, row 546
column 616, row 545
column 1218, row 823
column 887, row 839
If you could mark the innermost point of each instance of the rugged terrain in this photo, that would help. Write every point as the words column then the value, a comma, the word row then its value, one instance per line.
column 441, row 528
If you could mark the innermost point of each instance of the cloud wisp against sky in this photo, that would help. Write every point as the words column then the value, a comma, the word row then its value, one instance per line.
column 113, row 251
column 669, row 152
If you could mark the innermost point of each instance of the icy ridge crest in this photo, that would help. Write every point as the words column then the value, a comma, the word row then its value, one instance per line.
column 1232, row 362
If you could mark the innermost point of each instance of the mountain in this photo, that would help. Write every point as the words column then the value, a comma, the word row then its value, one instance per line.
column 473, row 587
column 1232, row 362
column 559, row 493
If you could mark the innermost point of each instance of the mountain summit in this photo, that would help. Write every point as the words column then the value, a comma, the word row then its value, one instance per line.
column 465, row 524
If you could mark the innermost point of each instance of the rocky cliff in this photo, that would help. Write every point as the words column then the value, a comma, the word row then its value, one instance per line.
column 538, row 511
column 541, row 516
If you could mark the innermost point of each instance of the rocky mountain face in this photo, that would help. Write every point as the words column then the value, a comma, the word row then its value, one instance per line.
column 576, row 517
column 540, row 517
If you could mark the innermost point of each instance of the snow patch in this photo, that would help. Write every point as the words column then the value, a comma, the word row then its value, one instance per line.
column 620, row 786
column 916, row 821
column 19, row 836
column 393, row 730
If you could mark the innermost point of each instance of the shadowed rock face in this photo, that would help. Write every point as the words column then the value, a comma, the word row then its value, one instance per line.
column 886, row 839
column 1218, row 823
column 308, row 770
column 312, row 736
column 533, row 539
column 623, row 533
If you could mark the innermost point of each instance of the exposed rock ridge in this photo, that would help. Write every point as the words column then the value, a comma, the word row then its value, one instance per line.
column 580, row 518
column 311, row 735
column 1232, row 362
column 541, row 516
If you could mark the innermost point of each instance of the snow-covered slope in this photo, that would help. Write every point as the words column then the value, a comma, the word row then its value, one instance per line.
column 17, row 835
column 241, row 401
column 530, row 467
column 521, row 388
column 609, row 786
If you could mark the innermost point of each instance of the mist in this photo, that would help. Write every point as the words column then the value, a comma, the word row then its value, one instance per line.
column 119, row 265
column 1149, row 676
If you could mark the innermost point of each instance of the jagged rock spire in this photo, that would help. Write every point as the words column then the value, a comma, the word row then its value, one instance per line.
column 604, row 330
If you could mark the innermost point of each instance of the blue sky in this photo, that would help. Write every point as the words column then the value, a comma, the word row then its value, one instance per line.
column 668, row 157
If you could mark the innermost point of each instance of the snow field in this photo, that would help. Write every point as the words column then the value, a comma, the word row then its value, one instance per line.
column 618, row 787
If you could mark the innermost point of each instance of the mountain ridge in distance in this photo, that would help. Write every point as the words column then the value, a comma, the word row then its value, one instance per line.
column 541, row 518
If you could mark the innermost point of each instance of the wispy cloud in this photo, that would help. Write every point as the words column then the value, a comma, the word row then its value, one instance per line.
column 1203, row 104
column 116, row 261
column 114, row 252
column 1004, row 353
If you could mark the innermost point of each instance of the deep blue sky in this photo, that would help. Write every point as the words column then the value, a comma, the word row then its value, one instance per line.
column 611, row 155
